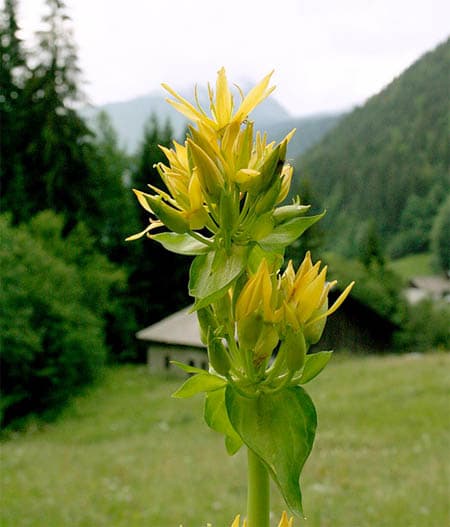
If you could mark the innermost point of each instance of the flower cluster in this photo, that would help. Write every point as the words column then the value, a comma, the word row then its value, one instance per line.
column 285, row 311
column 224, row 178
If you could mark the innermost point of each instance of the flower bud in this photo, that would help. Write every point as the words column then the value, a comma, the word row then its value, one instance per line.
column 266, row 343
column 172, row 218
column 294, row 347
column 267, row 200
column 210, row 177
column 271, row 168
column 206, row 321
column 249, row 329
column 262, row 227
column 289, row 212
column 228, row 212
column 218, row 354
column 314, row 331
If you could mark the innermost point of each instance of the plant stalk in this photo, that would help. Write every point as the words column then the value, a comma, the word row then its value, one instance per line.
column 258, row 498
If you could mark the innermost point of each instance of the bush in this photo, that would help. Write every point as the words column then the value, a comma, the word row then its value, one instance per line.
column 51, row 322
column 426, row 327
column 440, row 237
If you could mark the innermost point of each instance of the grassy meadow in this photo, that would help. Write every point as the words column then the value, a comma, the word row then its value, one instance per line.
column 126, row 454
column 413, row 265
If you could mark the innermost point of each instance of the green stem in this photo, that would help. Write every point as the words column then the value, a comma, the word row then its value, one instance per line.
column 258, row 498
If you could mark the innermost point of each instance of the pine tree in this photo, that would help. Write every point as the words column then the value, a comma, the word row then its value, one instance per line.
column 157, row 275
column 13, row 73
column 58, row 140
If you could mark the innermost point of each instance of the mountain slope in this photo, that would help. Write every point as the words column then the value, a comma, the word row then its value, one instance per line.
column 130, row 117
column 392, row 151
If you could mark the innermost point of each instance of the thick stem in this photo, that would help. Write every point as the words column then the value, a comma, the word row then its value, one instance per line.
column 258, row 498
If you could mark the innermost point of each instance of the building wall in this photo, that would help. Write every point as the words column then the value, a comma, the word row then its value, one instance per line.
column 159, row 357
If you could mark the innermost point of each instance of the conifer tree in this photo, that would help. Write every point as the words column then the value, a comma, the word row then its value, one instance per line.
column 13, row 73
column 58, row 139
column 155, row 272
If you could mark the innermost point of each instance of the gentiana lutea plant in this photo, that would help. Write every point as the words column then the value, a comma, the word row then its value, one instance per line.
column 223, row 205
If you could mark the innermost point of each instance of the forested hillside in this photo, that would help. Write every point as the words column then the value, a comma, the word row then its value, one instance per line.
column 386, row 164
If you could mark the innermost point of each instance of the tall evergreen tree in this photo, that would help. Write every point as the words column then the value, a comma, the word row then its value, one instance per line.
column 58, row 141
column 158, row 277
column 13, row 73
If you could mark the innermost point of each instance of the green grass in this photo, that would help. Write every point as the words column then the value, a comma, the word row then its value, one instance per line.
column 413, row 265
column 126, row 454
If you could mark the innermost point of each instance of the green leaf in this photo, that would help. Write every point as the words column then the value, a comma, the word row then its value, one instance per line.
column 180, row 243
column 212, row 274
column 202, row 382
column 187, row 368
column 314, row 364
column 280, row 429
column 257, row 254
column 216, row 418
column 286, row 233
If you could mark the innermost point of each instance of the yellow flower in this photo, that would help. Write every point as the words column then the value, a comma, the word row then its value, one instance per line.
column 284, row 522
column 304, row 297
column 221, row 178
column 257, row 295
column 221, row 103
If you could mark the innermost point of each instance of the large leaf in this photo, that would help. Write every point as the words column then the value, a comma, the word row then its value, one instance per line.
column 212, row 274
column 216, row 418
column 180, row 243
column 286, row 233
column 314, row 364
column 280, row 429
column 202, row 382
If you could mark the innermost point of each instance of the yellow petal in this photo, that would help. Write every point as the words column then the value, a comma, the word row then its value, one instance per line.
column 286, row 179
column 224, row 100
column 141, row 196
column 309, row 299
column 182, row 105
column 341, row 298
column 336, row 305
column 195, row 192
column 254, row 97
column 290, row 315
column 209, row 175
column 284, row 521
column 236, row 521
column 305, row 266
column 153, row 225
column 245, row 174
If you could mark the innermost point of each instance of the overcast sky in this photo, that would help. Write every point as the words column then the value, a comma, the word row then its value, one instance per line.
column 327, row 55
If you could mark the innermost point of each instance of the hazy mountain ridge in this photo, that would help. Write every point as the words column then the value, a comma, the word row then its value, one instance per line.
column 129, row 119
column 388, row 159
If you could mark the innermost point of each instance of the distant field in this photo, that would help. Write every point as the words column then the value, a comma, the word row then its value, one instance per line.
column 413, row 265
column 126, row 454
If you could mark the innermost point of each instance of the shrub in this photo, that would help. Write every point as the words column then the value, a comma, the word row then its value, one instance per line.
column 440, row 237
column 426, row 327
column 51, row 320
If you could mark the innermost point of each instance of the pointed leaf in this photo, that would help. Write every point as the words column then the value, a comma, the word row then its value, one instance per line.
column 180, row 243
column 216, row 418
column 186, row 367
column 202, row 382
column 280, row 429
column 314, row 364
column 286, row 233
column 212, row 274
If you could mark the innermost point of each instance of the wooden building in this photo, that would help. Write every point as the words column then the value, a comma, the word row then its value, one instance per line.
column 176, row 337
column 354, row 327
